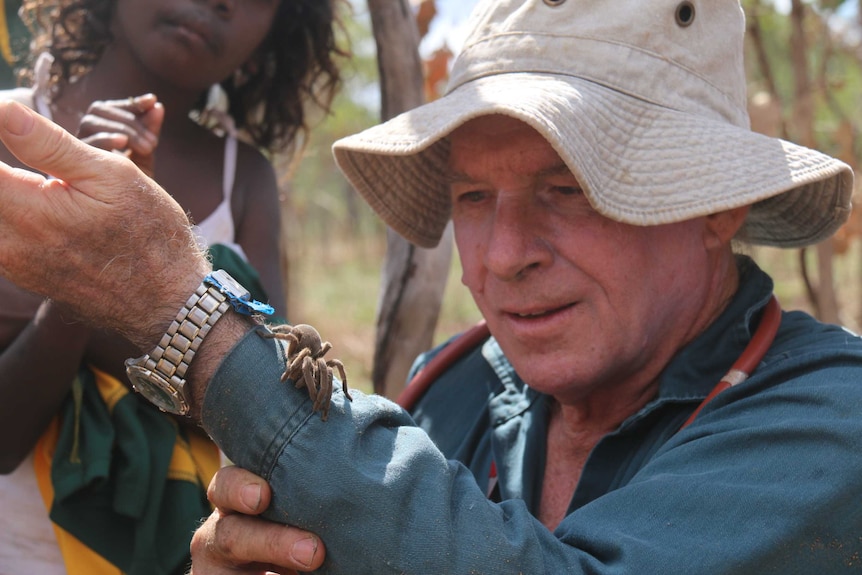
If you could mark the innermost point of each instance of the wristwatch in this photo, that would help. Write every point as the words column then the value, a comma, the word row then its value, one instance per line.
column 160, row 375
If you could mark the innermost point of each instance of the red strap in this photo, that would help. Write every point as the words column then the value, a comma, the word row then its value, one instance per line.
column 457, row 348
column 747, row 362
column 750, row 358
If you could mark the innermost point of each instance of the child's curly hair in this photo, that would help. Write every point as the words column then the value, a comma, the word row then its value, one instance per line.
column 298, row 61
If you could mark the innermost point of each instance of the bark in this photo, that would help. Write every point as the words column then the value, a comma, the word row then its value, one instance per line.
column 826, row 302
column 755, row 37
column 414, row 279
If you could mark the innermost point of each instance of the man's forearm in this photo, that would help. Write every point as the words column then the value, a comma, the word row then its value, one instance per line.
column 221, row 339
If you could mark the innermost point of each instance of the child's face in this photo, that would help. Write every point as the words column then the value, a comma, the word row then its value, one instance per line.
column 192, row 43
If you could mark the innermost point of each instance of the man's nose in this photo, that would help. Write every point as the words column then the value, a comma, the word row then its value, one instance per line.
column 516, row 245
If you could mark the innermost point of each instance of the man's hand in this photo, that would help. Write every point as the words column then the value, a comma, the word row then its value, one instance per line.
column 130, row 126
column 102, row 238
column 232, row 541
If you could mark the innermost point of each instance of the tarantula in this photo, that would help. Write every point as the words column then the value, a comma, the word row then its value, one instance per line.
column 306, row 367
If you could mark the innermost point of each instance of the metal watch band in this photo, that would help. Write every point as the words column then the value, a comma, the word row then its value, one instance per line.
column 173, row 354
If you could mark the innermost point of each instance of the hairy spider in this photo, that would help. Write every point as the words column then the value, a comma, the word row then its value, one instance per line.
column 306, row 366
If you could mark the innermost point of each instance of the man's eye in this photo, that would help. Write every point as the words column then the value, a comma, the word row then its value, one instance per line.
column 568, row 190
column 471, row 197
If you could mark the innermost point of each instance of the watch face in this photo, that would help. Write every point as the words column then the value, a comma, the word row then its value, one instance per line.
column 230, row 285
column 156, row 389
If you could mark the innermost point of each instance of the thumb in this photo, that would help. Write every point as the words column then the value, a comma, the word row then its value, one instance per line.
column 154, row 118
column 48, row 148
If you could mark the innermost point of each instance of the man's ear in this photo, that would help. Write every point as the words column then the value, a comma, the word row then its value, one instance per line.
column 722, row 226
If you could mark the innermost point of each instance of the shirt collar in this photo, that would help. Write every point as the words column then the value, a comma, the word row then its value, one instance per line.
column 699, row 366
column 690, row 375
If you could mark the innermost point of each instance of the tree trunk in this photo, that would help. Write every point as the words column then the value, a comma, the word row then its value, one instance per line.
column 413, row 279
column 827, row 301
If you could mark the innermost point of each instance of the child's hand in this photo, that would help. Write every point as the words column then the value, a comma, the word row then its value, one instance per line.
column 129, row 126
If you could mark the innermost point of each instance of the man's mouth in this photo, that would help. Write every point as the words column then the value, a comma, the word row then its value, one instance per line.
column 541, row 313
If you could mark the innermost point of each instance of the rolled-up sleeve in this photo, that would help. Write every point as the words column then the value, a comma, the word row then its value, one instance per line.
column 370, row 483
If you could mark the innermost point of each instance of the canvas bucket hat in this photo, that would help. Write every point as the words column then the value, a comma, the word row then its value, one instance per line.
column 644, row 100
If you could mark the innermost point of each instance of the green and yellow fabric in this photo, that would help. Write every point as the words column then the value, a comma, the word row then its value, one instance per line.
column 5, row 43
column 14, row 42
column 124, row 484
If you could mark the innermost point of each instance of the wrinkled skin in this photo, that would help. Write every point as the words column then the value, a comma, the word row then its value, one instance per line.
column 233, row 541
column 92, row 231
column 60, row 238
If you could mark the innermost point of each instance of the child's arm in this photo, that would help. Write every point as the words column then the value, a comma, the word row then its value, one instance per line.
column 257, row 212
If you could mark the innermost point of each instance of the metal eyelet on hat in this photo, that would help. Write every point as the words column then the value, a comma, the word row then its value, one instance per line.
column 553, row 3
column 684, row 14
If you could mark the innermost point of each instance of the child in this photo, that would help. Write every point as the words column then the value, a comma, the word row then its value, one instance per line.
column 124, row 484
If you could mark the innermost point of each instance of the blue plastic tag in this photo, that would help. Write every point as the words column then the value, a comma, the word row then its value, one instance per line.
column 237, row 295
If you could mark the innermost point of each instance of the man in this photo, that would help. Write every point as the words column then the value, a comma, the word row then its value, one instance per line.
column 595, row 160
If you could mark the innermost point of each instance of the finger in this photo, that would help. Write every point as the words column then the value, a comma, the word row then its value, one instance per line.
column 239, row 543
column 126, row 111
column 154, row 118
column 108, row 141
column 136, row 104
column 236, row 490
column 46, row 147
column 106, row 120
column 114, row 110
column 143, row 103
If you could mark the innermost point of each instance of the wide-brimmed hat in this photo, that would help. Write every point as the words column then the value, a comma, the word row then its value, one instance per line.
column 644, row 100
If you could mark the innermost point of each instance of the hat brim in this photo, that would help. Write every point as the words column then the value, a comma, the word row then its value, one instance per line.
column 637, row 162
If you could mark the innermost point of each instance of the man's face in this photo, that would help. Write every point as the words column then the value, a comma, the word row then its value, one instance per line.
column 578, row 302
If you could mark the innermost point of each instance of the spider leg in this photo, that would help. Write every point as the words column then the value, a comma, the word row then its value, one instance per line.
column 294, row 375
column 278, row 330
column 295, row 368
column 324, row 394
column 307, row 368
column 292, row 370
column 293, row 341
column 286, row 333
column 308, row 378
column 283, row 333
column 340, row 366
